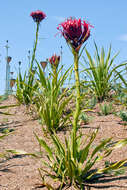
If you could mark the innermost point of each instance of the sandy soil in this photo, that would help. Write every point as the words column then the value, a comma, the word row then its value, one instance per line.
column 21, row 172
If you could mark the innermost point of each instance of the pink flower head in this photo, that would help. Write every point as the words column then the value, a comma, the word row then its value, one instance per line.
column 54, row 60
column 75, row 31
column 38, row 16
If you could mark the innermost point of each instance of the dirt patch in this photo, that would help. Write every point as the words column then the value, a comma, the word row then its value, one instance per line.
column 20, row 172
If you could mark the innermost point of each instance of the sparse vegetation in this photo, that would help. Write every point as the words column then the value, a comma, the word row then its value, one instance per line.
column 84, row 118
column 71, row 159
column 123, row 115
column 106, row 109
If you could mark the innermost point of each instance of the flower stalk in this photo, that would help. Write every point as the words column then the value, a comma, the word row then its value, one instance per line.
column 77, row 85
column 35, row 45
column 54, row 62
column 78, row 101
column 37, row 16
column 55, row 76
column 76, row 32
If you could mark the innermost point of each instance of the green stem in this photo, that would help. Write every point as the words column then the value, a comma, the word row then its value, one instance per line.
column 31, row 75
column 77, row 85
column 54, row 97
column 35, row 46
column 54, row 75
column 77, row 110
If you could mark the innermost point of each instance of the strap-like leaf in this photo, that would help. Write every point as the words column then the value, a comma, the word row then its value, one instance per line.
column 45, row 146
column 100, row 146
column 114, row 166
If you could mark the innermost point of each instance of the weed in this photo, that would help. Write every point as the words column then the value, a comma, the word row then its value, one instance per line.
column 123, row 115
column 100, row 72
column 106, row 109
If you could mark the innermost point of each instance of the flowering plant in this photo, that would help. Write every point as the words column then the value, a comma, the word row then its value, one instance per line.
column 75, row 31
column 37, row 16
column 50, row 103
column 54, row 61
column 26, row 86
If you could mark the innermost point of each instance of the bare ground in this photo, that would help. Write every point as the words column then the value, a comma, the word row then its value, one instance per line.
column 21, row 172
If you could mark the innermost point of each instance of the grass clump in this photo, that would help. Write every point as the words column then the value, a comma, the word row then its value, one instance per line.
column 106, row 109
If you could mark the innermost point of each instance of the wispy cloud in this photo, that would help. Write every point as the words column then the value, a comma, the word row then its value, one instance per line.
column 59, row 18
column 123, row 37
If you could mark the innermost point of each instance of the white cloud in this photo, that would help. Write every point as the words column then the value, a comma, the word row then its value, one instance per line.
column 59, row 18
column 123, row 37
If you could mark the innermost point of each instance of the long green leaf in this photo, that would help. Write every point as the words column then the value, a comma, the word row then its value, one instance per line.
column 45, row 146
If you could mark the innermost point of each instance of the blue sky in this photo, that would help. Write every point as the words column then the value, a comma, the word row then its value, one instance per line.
column 109, row 18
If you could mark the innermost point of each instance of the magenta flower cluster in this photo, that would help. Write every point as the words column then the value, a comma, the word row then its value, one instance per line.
column 75, row 31
column 54, row 60
column 38, row 16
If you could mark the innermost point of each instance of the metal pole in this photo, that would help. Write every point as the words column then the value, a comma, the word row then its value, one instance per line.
column 7, row 70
